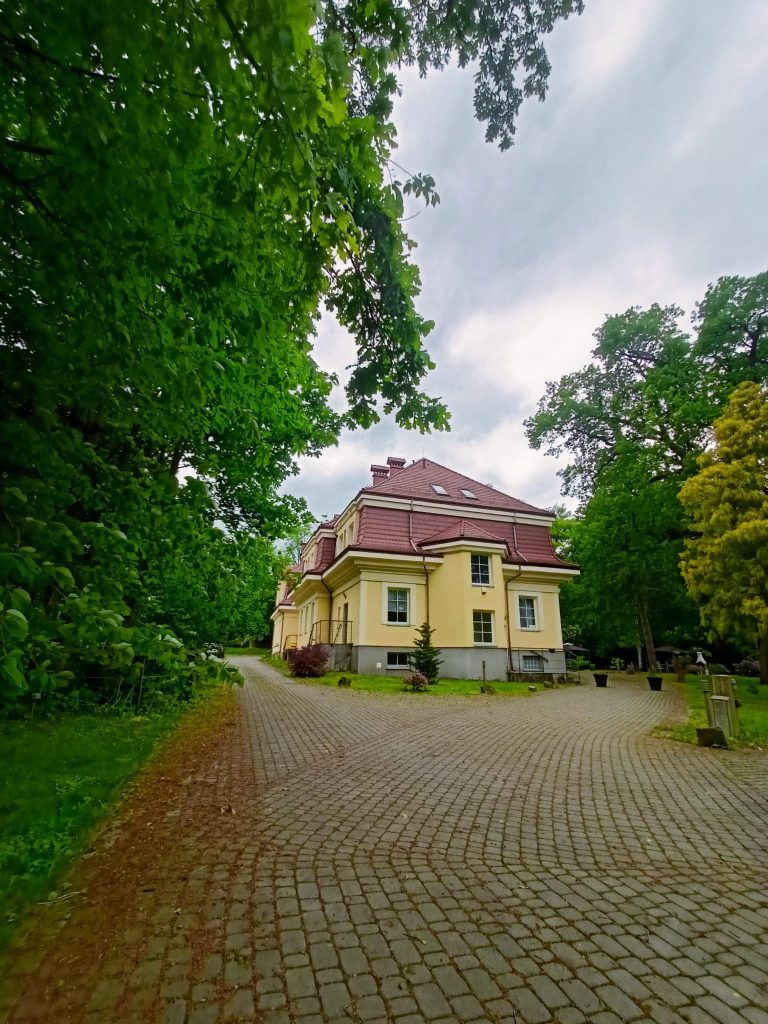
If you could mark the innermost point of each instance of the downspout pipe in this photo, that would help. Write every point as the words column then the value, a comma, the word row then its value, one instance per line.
column 520, row 559
column 509, row 621
column 423, row 557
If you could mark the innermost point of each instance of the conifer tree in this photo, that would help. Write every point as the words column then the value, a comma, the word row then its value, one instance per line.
column 725, row 564
column 426, row 658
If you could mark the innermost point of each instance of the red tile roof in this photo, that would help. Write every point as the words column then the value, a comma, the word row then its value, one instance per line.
column 462, row 530
column 387, row 530
column 416, row 480
column 324, row 554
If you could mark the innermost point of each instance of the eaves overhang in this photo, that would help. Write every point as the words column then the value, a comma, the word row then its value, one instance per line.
column 465, row 544
column 512, row 570
column 350, row 558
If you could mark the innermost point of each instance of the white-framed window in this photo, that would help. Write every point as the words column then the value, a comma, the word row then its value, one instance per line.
column 467, row 493
column 439, row 489
column 528, row 612
column 481, row 570
column 533, row 663
column 397, row 659
column 398, row 606
column 482, row 627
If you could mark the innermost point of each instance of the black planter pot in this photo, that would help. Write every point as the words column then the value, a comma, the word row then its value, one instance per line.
column 601, row 678
column 655, row 683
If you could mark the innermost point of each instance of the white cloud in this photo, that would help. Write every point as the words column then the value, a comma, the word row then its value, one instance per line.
column 733, row 81
column 639, row 180
column 608, row 37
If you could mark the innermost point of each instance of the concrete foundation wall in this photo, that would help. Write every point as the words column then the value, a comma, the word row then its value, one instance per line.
column 457, row 662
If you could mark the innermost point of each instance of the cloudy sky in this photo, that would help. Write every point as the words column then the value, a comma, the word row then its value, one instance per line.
column 640, row 179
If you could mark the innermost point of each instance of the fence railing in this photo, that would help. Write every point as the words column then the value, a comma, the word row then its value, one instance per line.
column 290, row 642
column 331, row 631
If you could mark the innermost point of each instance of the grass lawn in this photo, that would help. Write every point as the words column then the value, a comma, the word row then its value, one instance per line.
column 753, row 713
column 58, row 778
column 446, row 687
column 394, row 684
column 234, row 651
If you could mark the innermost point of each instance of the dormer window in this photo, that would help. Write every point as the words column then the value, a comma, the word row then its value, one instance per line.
column 439, row 490
column 467, row 493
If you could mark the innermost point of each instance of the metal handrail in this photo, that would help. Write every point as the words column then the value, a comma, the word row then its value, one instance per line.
column 331, row 631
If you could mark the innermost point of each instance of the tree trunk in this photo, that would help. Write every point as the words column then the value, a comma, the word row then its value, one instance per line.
column 762, row 657
column 645, row 633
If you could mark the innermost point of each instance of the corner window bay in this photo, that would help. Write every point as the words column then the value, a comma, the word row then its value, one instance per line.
column 482, row 627
column 527, row 609
column 481, row 570
column 397, row 606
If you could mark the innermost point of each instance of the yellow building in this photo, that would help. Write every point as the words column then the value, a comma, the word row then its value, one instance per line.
column 423, row 543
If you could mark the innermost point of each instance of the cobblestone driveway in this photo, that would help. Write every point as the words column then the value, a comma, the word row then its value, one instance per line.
column 351, row 857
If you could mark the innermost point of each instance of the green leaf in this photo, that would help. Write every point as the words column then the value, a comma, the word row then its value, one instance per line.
column 15, row 623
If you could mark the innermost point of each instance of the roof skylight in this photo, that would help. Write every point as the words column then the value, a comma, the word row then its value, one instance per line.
column 467, row 493
column 438, row 489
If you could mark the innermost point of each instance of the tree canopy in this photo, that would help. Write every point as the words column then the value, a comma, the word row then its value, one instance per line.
column 725, row 564
column 184, row 187
column 633, row 422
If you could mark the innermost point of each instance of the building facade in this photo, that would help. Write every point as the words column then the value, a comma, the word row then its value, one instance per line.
column 423, row 543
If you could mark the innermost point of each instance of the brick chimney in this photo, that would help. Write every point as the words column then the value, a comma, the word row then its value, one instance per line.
column 380, row 474
column 395, row 465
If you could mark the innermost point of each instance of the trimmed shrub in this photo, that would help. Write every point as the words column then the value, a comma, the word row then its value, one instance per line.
column 309, row 662
column 416, row 682
column 748, row 667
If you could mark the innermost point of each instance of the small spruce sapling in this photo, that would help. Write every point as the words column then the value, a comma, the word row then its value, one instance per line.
column 426, row 658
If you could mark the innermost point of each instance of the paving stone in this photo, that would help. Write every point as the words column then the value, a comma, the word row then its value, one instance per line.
column 208, row 1014
column 396, row 860
column 569, row 1015
column 431, row 1001
column 755, row 1015
column 529, row 1006
column 335, row 998
column 239, row 1005
column 548, row 992
column 466, row 1008
column 300, row 981
column 619, row 1002
column 174, row 1013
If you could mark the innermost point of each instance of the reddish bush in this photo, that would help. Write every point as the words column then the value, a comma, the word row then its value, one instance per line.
column 309, row 661
column 748, row 667
column 416, row 682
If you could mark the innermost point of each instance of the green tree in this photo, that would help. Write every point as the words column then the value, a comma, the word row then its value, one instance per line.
column 642, row 400
column 725, row 565
column 632, row 422
column 183, row 189
column 732, row 322
column 426, row 658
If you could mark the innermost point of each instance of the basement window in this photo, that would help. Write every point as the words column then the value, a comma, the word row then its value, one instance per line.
column 533, row 663
column 397, row 659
